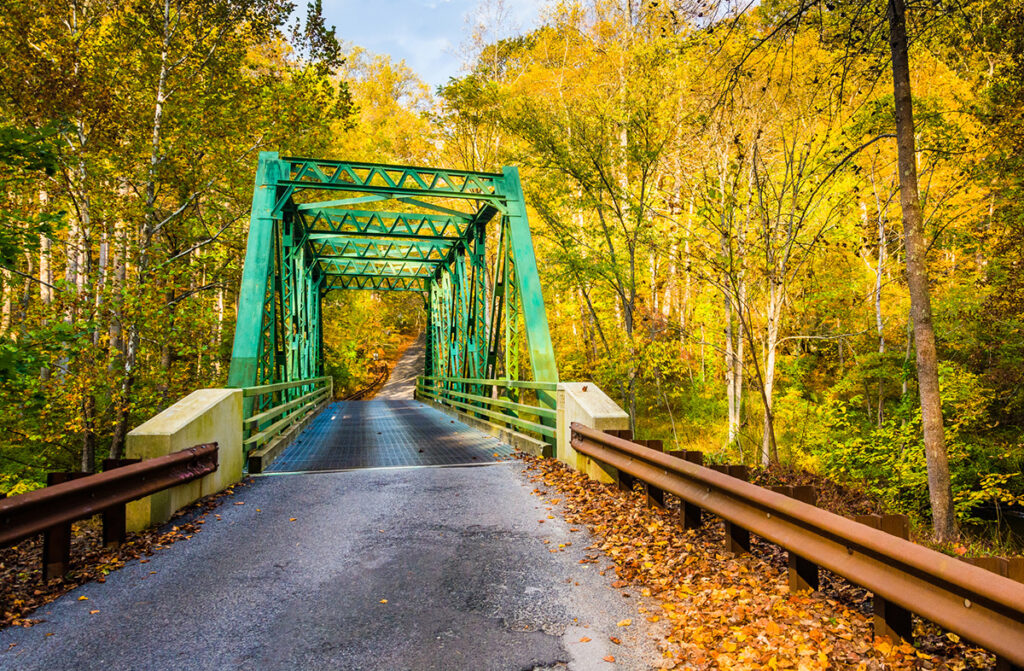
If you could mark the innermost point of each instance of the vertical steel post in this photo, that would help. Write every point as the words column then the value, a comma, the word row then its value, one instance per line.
column 542, row 353
column 250, row 350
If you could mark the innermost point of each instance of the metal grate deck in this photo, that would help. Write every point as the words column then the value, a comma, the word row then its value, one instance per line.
column 372, row 434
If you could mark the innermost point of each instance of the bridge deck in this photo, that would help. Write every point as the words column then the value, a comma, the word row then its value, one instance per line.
column 387, row 433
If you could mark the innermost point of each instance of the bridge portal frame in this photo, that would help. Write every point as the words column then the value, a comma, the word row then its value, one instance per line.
column 433, row 240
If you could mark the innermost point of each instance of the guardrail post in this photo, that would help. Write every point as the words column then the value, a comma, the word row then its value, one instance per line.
column 737, row 539
column 115, row 518
column 691, row 514
column 1003, row 664
column 803, row 573
column 891, row 621
column 624, row 481
column 655, row 495
column 1012, row 568
column 57, row 539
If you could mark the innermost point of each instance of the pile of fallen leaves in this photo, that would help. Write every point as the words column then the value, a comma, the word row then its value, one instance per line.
column 717, row 610
column 22, row 588
column 831, row 495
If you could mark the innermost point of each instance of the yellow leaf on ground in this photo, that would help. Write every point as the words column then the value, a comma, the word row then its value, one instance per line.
column 383, row 600
column 585, row 639
column 83, row 598
column 625, row 623
column 608, row 658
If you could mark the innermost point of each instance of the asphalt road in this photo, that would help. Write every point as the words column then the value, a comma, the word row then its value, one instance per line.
column 401, row 384
column 457, row 553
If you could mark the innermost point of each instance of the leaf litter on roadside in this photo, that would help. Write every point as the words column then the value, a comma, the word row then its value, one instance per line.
column 728, row 612
column 22, row 589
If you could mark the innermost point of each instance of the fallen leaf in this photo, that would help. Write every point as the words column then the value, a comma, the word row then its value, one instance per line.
column 83, row 598
column 608, row 658
column 93, row 612
column 292, row 519
column 383, row 600
column 585, row 639
column 615, row 640
column 625, row 623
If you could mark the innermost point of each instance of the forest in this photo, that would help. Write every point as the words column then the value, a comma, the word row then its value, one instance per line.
column 718, row 195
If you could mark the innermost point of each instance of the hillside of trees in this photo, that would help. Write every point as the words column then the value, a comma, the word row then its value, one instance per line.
column 715, row 193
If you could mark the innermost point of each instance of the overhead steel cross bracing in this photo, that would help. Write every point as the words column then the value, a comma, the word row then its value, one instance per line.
column 461, row 239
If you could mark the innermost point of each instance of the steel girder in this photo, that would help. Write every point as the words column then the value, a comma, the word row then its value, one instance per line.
column 432, row 239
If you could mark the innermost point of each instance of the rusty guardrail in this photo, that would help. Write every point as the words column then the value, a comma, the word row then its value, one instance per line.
column 981, row 606
column 52, row 509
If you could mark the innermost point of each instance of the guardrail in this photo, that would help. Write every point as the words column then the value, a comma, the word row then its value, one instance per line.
column 276, row 412
column 474, row 396
column 289, row 402
column 51, row 510
column 357, row 395
column 904, row 577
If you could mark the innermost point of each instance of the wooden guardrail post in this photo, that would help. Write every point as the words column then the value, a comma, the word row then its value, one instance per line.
column 57, row 539
column 689, row 514
column 1012, row 568
column 737, row 539
column 115, row 518
column 624, row 481
column 803, row 573
column 655, row 495
column 891, row 621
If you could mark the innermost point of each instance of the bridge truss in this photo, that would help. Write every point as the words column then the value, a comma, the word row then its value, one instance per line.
column 461, row 239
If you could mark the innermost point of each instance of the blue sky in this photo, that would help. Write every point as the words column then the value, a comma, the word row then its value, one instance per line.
column 425, row 34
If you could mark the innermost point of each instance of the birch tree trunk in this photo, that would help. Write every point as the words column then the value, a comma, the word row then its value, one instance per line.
column 769, row 451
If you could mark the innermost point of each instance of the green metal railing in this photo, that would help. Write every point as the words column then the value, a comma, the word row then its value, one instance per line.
column 276, row 408
column 502, row 402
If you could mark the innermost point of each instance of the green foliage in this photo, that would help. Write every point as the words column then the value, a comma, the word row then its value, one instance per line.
column 363, row 330
column 888, row 458
column 24, row 154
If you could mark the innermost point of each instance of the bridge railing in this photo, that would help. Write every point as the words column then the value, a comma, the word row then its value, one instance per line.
column 983, row 607
column 503, row 402
column 277, row 412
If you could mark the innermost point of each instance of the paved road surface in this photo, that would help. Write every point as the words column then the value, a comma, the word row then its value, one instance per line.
column 457, row 552
column 370, row 434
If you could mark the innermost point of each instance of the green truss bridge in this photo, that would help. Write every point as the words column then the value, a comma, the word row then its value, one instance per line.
column 459, row 239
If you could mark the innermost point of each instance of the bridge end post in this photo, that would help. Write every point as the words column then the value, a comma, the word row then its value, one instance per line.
column 204, row 416
column 584, row 402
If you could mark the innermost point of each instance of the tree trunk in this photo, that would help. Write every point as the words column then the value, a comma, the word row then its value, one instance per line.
column 939, row 489
column 6, row 291
column 879, row 323
column 769, row 449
